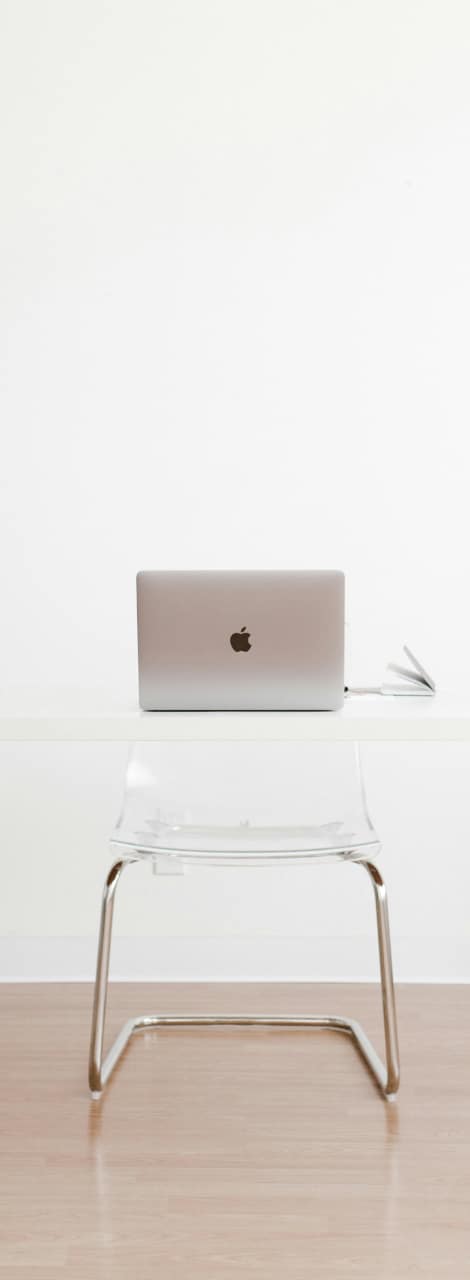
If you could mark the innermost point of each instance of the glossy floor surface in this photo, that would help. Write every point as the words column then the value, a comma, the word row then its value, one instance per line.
column 234, row 1152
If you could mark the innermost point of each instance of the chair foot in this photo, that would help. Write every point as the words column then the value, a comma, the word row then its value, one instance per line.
column 321, row 1023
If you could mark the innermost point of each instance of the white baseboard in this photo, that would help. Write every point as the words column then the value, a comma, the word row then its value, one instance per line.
column 261, row 959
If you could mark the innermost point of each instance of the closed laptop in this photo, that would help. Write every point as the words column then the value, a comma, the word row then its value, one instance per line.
column 248, row 640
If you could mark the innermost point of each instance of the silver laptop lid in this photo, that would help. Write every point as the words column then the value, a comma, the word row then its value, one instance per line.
column 248, row 640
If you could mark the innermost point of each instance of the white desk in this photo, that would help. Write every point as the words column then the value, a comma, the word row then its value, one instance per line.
column 444, row 718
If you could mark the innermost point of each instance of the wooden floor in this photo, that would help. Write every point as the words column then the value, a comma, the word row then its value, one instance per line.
column 227, row 1152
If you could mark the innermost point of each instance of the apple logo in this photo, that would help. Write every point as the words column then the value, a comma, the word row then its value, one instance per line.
column 240, row 641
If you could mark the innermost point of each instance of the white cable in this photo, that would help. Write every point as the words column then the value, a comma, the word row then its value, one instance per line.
column 349, row 690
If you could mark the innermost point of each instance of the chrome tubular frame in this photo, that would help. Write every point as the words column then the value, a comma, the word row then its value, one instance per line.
column 387, row 1077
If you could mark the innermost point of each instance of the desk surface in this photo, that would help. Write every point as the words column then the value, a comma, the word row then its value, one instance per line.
column 444, row 718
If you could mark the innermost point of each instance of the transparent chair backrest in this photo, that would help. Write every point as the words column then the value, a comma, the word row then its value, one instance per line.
column 199, row 787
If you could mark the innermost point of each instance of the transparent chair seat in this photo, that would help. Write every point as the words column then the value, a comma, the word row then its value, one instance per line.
column 245, row 802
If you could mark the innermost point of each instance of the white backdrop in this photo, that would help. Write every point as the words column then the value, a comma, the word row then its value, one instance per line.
column 235, row 329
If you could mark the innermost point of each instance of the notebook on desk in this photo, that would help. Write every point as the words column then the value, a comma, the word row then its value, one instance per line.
column 250, row 640
column 414, row 680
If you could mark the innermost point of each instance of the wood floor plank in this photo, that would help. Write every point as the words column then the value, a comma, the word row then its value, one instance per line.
column 231, row 1152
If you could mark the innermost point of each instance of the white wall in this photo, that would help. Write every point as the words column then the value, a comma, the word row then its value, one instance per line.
column 234, row 309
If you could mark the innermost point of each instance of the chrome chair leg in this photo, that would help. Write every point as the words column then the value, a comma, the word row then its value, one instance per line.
column 392, row 1056
column 97, row 1071
column 386, row 1077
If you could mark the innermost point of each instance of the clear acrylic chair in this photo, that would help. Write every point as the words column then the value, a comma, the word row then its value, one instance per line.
column 245, row 804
